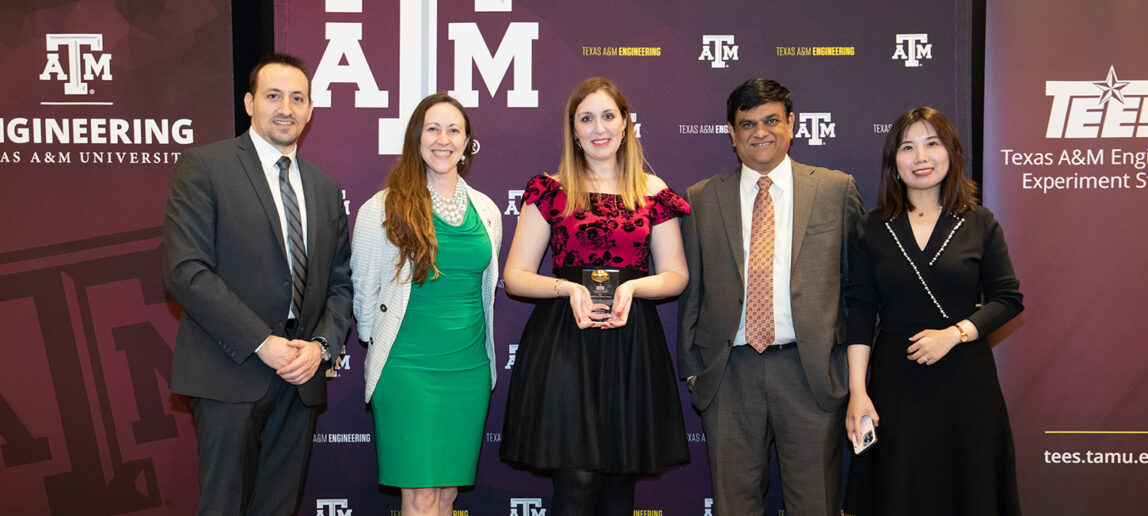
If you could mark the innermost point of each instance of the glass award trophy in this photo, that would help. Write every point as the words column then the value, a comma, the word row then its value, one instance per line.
column 601, row 283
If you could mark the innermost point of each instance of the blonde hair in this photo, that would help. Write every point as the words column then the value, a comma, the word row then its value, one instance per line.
column 632, row 164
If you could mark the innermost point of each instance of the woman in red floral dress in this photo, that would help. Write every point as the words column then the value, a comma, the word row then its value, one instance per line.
column 593, row 396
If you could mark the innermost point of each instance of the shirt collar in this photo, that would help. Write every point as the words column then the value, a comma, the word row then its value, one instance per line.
column 268, row 154
column 781, row 175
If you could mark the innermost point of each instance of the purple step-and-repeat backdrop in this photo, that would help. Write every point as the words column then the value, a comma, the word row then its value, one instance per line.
column 101, row 96
column 851, row 67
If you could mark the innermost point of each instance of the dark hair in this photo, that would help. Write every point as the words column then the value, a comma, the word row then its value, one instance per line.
column 958, row 192
column 280, row 59
column 408, row 219
column 755, row 92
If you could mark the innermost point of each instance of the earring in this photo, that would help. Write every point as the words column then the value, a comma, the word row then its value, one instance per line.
column 578, row 144
column 462, row 160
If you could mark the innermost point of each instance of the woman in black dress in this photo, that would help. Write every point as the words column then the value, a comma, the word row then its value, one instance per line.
column 593, row 396
column 931, row 266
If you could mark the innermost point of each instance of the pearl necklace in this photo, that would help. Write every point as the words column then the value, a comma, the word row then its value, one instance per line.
column 451, row 210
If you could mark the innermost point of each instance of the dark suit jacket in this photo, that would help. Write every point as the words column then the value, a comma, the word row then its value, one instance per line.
column 225, row 263
column 826, row 206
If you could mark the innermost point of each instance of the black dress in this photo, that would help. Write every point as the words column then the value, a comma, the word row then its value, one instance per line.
column 599, row 400
column 944, row 446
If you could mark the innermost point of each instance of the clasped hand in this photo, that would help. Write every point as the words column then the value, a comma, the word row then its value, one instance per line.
column 295, row 361
column 588, row 314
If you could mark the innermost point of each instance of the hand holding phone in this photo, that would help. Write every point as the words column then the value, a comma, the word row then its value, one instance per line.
column 868, row 435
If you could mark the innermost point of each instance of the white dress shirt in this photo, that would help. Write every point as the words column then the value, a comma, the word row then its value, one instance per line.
column 782, row 193
column 268, row 159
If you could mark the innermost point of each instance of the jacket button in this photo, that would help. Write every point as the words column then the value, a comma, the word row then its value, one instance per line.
column 382, row 308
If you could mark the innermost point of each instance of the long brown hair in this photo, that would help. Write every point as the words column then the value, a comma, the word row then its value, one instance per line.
column 408, row 219
column 958, row 192
column 632, row 165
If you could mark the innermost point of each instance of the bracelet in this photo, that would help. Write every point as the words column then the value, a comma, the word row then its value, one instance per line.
column 964, row 334
column 556, row 282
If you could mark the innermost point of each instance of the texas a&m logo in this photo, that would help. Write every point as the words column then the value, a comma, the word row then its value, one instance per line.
column 344, row 61
column 912, row 48
column 85, row 62
column 718, row 50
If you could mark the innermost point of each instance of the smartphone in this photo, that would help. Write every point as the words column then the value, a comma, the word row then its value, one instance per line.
column 868, row 435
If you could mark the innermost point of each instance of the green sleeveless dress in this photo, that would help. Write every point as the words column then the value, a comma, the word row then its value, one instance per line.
column 431, row 400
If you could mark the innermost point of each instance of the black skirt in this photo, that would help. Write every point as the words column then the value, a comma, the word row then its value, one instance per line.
column 600, row 400
column 944, row 446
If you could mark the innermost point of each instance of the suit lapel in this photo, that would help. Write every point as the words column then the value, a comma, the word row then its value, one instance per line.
column 804, row 194
column 310, row 198
column 729, row 204
column 940, row 234
column 249, row 160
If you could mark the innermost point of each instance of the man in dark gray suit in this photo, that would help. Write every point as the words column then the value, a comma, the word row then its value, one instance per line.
column 255, row 250
column 771, row 236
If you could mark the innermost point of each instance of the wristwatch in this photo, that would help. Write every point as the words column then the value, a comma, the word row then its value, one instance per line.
column 326, row 355
column 964, row 334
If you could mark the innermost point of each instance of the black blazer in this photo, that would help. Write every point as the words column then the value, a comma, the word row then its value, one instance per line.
column 225, row 263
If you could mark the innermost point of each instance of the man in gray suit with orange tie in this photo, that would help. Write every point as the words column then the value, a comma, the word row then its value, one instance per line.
column 762, row 318
column 255, row 251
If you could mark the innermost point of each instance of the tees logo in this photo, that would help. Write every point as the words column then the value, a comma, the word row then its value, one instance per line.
column 718, row 50
column 526, row 507
column 912, row 48
column 344, row 62
column 816, row 127
column 84, row 61
column 332, row 507
column 1110, row 108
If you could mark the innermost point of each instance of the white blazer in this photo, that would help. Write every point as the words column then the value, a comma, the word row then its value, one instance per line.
column 381, row 301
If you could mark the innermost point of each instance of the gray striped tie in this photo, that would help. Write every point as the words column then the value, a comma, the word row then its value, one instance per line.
column 294, row 237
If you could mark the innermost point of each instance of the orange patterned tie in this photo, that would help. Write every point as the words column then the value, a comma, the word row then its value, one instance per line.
column 759, row 330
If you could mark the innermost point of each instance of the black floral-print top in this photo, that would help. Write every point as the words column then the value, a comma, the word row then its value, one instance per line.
column 606, row 235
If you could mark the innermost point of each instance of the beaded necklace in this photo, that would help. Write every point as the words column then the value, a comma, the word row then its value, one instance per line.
column 451, row 210
column 960, row 221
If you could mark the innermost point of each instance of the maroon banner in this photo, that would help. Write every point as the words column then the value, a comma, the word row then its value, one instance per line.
column 99, row 99
column 852, row 68
column 1066, row 172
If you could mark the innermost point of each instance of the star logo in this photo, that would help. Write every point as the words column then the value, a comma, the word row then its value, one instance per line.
column 1111, row 88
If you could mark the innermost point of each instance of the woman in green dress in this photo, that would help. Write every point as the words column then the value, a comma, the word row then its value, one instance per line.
column 425, row 264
